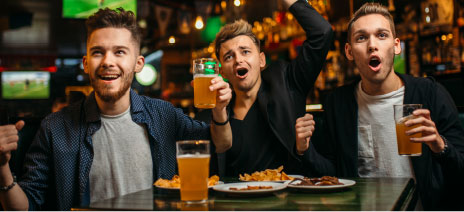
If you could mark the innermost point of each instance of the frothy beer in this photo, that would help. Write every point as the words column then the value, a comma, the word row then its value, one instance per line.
column 405, row 146
column 193, row 172
column 203, row 97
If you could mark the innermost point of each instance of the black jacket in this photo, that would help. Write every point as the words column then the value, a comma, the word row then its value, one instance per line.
column 285, row 86
column 436, row 177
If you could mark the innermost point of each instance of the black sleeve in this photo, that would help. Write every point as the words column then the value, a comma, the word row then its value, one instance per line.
column 448, row 125
column 303, row 71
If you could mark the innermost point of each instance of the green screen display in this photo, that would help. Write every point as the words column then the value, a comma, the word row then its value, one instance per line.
column 85, row 8
column 25, row 85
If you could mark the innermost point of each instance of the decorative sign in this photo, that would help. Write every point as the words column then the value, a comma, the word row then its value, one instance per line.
column 163, row 14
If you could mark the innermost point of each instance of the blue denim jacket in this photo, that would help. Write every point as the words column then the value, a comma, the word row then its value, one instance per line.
column 58, row 162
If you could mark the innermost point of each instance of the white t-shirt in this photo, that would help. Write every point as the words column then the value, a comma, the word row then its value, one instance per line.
column 377, row 147
column 122, row 161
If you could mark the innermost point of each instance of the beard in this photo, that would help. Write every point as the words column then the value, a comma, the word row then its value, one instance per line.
column 102, row 90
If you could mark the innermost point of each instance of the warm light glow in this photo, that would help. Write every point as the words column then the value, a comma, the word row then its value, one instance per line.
column 427, row 19
column 199, row 22
column 237, row 3
column 172, row 40
column 427, row 10
column 443, row 37
column 450, row 36
column 223, row 5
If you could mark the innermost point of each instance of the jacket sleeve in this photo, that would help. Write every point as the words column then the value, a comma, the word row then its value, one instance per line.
column 303, row 71
column 35, row 181
column 188, row 128
column 449, row 126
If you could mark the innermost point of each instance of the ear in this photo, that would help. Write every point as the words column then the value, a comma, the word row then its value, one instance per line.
column 262, row 60
column 397, row 46
column 348, row 52
column 139, row 64
column 84, row 63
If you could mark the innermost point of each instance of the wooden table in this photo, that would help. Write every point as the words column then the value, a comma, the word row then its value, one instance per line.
column 380, row 194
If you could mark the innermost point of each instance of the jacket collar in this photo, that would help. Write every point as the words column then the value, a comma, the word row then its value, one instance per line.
column 92, row 112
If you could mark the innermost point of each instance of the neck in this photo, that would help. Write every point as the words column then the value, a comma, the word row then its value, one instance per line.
column 116, row 107
column 247, row 98
column 390, row 84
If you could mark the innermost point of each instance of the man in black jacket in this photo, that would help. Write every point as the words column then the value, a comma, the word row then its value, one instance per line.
column 267, row 101
column 360, row 127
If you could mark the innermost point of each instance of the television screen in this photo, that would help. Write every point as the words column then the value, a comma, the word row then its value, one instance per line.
column 25, row 85
column 85, row 8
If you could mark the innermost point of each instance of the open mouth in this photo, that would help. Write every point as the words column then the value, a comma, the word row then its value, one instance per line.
column 374, row 62
column 109, row 77
column 242, row 72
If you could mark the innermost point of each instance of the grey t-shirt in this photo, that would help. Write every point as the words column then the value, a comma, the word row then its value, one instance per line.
column 377, row 148
column 122, row 160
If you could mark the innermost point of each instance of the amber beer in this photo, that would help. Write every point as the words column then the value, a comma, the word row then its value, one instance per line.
column 405, row 146
column 202, row 96
column 402, row 114
column 194, row 172
column 204, row 70
column 193, row 163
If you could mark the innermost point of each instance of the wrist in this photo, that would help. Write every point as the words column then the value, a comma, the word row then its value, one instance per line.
column 445, row 148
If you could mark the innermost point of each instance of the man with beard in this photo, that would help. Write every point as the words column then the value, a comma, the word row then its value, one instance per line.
column 360, row 121
column 113, row 143
column 267, row 101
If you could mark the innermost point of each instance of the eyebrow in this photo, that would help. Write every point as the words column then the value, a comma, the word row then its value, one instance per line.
column 115, row 47
column 240, row 47
column 377, row 30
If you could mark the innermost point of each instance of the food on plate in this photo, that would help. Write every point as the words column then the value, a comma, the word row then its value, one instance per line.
column 267, row 175
column 250, row 188
column 323, row 181
column 175, row 182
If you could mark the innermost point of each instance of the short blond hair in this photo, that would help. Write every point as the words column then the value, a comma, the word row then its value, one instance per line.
column 232, row 30
column 371, row 8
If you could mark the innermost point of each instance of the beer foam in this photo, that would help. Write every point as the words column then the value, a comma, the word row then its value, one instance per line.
column 204, row 75
column 194, row 156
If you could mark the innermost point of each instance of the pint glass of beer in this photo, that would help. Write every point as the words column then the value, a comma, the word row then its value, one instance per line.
column 193, row 162
column 403, row 113
column 204, row 70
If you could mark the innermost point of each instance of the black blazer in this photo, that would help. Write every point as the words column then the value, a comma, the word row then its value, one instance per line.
column 285, row 85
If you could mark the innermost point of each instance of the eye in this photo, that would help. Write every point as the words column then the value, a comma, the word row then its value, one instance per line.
column 246, row 51
column 383, row 35
column 227, row 57
column 360, row 38
column 96, row 53
column 120, row 52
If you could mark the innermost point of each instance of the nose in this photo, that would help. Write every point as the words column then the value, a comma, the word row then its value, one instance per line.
column 108, row 60
column 372, row 45
column 239, row 58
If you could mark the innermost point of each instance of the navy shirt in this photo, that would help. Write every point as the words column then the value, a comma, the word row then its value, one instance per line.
column 57, row 165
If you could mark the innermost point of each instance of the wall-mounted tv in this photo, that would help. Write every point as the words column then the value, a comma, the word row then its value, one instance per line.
column 85, row 8
column 25, row 85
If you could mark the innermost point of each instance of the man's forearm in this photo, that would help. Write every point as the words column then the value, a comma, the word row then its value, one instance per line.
column 221, row 134
column 13, row 199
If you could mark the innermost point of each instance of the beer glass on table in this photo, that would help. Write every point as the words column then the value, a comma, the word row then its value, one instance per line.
column 193, row 162
column 204, row 70
column 402, row 114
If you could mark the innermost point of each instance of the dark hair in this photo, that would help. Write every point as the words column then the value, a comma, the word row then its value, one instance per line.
column 371, row 8
column 118, row 18
column 232, row 30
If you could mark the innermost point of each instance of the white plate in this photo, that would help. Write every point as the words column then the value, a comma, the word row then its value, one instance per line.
column 346, row 183
column 226, row 187
column 277, row 181
column 171, row 188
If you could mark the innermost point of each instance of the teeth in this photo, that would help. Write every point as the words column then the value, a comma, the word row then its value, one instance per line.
column 109, row 76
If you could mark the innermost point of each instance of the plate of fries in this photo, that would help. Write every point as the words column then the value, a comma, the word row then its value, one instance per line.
column 250, row 187
column 174, row 183
column 273, row 175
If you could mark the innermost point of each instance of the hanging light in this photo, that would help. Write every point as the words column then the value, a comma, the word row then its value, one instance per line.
column 237, row 3
column 199, row 22
column 172, row 40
